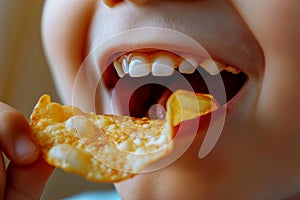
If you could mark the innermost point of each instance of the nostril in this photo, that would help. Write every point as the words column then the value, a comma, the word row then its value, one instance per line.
column 111, row 3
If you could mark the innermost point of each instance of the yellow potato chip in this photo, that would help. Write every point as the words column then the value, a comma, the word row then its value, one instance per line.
column 99, row 147
column 184, row 105
column 109, row 148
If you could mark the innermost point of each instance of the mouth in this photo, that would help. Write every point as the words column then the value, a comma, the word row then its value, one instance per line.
column 141, row 80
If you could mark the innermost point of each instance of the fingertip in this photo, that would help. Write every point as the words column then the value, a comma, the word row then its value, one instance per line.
column 26, row 151
column 15, row 139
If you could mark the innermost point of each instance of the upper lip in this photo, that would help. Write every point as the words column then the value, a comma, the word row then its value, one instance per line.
column 106, row 52
column 142, row 38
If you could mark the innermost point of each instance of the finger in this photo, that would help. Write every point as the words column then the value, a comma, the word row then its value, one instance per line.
column 2, row 176
column 15, row 138
column 27, row 182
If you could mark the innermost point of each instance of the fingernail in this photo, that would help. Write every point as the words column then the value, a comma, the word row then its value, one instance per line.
column 24, row 147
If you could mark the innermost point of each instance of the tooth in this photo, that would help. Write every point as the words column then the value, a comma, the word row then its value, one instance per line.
column 232, row 69
column 139, row 66
column 212, row 67
column 119, row 68
column 125, row 64
column 188, row 66
column 163, row 65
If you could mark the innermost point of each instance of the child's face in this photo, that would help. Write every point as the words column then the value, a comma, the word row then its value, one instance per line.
column 257, row 154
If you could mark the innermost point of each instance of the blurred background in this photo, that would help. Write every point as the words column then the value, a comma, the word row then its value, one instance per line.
column 24, row 77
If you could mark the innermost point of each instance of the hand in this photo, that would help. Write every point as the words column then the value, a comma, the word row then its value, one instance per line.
column 26, row 174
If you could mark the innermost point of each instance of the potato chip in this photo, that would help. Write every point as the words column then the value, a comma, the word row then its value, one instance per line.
column 99, row 147
column 184, row 105
column 109, row 148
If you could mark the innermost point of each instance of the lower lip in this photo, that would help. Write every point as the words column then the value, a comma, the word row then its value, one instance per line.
column 230, row 105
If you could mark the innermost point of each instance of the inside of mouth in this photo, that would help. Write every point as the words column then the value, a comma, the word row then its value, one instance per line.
column 149, row 98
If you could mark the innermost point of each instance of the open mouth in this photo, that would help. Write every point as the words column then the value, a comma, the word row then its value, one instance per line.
column 143, row 80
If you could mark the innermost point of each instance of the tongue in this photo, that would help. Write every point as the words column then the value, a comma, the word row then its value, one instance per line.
column 164, row 97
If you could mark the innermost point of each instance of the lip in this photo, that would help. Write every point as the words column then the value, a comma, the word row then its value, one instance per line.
column 160, row 38
column 157, row 38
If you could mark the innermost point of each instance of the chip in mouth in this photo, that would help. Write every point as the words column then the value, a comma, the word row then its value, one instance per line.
column 110, row 148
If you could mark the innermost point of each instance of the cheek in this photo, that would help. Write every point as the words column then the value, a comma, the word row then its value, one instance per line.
column 278, row 104
column 274, row 23
column 275, row 26
column 65, row 25
column 277, row 121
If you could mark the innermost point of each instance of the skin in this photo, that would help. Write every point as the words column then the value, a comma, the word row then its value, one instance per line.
column 26, row 175
column 257, row 155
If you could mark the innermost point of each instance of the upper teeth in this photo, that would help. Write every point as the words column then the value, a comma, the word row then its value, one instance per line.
column 139, row 66
column 188, row 66
column 164, row 64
